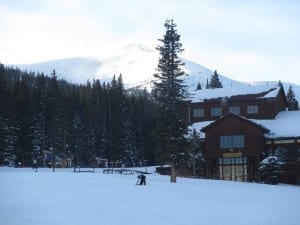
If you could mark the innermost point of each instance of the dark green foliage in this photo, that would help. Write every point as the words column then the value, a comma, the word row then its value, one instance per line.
column 270, row 168
column 169, row 93
column 196, row 159
column 214, row 81
column 207, row 84
column 40, row 113
column 291, row 100
column 198, row 86
column 280, row 83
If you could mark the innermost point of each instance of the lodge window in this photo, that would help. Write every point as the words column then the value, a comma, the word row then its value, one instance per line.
column 252, row 109
column 286, row 154
column 232, row 160
column 235, row 110
column 216, row 111
column 198, row 113
column 233, row 141
column 233, row 168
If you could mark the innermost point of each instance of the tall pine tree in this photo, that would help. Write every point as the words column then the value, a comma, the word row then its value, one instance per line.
column 169, row 92
column 291, row 100
column 215, row 81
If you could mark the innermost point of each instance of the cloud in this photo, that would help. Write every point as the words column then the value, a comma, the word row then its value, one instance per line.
column 41, row 35
column 241, row 38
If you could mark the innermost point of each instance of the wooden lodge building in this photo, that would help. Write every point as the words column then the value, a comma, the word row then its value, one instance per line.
column 240, row 127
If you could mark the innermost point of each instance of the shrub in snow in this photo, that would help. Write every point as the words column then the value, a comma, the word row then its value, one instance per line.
column 271, row 168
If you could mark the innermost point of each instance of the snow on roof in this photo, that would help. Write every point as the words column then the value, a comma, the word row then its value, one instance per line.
column 272, row 94
column 284, row 125
column 201, row 95
column 198, row 126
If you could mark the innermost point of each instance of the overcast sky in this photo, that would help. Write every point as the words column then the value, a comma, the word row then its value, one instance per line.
column 244, row 40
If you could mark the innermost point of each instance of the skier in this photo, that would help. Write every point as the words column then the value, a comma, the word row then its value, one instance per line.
column 34, row 165
column 75, row 162
column 141, row 179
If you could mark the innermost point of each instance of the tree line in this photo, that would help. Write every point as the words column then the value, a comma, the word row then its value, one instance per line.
column 43, row 114
column 40, row 113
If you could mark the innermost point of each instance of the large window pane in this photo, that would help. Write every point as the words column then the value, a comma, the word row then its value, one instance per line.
column 239, row 160
column 238, row 141
column 252, row 109
column 234, row 110
column 286, row 154
column 234, row 141
column 226, row 161
column 216, row 111
column 198, row 113
column 225, row 142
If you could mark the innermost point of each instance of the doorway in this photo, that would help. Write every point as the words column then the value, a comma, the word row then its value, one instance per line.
column 233, row 168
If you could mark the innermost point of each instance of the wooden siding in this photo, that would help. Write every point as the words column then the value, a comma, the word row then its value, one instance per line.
column 254, row 137
column 255, row 147
column 254, row 144
column 291, row 174
column 268, row 108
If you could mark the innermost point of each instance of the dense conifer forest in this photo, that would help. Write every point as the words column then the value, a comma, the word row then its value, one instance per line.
column 105, row 120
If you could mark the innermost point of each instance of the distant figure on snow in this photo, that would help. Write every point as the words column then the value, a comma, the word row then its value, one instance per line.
column 34, row 165
column 141, row 179
column 75, row 162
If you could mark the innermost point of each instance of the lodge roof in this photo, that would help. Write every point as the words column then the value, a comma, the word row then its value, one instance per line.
column 245, row 120
column 285, row 124
column 237, row 93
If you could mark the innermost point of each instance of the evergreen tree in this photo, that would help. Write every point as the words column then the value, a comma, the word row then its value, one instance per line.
column 196, row 159
column 77, row 136
column 41, row 114
column 198, row 86
column 22, row 120
column 207, row 84
column 169, row 93
column 38, row 113
column 101, row 117
column 270, row 168
column 291, row 100
column 3, row 112
column 214, row 81
column 53, row 118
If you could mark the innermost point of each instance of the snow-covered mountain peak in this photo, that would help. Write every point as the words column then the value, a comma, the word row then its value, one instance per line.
column 137, row 46
column 137, row 63
column 74, row 70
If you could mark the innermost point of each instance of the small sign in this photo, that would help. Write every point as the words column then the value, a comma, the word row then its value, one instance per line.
column 232, row 154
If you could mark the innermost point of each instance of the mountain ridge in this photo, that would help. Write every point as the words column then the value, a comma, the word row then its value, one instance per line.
column 137, row 63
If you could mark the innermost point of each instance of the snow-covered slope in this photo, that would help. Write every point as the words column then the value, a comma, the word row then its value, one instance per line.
column 137, row 64
column 64, row 197
column 75, row 70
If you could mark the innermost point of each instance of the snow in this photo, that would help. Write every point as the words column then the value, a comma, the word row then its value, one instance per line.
column 198, row 126
column 227, row 92
column 74, row 70
column 137, row 63
column 284, row 124
column 64, row 197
